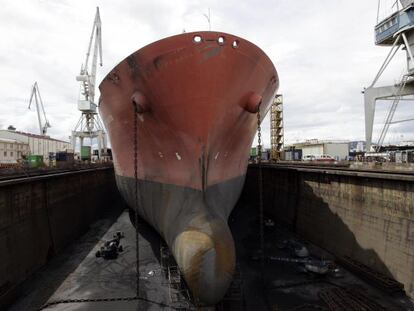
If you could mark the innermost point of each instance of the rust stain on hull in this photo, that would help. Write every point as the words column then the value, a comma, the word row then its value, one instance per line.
column 196, row 125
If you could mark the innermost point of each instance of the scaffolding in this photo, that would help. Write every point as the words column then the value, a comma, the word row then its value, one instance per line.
column 276, row 128
column 180, row 296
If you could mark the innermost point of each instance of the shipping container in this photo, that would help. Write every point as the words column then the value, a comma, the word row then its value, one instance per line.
column 64, row 156
column 253, row 151
column 293, row 155
column 410, row 156
column 297, row 155
column 35, row 161
column 265, row 155
column 61, row 156
column 85, row 153
column 64, row 159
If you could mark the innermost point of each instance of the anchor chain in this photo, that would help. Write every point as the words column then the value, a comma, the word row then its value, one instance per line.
column 136, row 193
column 131, row 298
column 259, row 161
column 114, row 299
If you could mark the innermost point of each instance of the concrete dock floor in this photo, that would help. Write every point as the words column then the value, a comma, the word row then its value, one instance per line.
column 284, row 285
column 77, row 273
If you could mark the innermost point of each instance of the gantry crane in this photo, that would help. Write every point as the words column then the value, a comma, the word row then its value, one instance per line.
column 395, row 31
column 40, row 109
column 89, row 124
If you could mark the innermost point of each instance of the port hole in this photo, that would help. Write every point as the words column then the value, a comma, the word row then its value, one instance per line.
column 197, row 39
column 235, row 44
column 220, row 40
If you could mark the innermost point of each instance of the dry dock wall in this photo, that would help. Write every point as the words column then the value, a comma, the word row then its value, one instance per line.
column 41, row 215
column 369, row 217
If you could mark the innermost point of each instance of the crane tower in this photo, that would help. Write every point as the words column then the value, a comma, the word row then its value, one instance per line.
column 89, row 124
column 395, row 31
column 39, row 109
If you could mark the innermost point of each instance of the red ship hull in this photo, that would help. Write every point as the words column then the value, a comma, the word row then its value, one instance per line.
column 196, row 104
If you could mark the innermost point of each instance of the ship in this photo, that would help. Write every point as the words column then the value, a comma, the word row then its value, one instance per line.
column 181, row 114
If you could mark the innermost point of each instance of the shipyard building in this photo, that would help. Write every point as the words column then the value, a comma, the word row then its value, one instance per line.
column 314, row 148
column 15, row 144
column 11, row 150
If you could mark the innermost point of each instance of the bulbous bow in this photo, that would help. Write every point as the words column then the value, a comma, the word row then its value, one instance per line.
column 206, row 257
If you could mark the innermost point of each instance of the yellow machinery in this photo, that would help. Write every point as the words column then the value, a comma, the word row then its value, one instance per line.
column 276, row 128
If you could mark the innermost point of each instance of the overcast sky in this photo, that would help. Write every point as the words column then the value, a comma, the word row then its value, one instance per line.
column 323, row 50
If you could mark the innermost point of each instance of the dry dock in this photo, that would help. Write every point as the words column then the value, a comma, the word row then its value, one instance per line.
column 366, row 214
column 52, row 226
column 44, row 212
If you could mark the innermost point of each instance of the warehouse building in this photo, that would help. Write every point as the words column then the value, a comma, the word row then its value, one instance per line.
column 38, row 145
column 314, row 148
column 11, row 150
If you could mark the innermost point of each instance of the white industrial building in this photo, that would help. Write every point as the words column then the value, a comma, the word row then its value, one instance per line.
column 12, row 150
column 38, row 144
column 339, row 150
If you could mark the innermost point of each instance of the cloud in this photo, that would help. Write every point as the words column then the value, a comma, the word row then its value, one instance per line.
column 324, row 52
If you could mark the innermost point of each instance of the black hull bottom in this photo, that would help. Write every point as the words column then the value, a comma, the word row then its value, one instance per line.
column 194, row 225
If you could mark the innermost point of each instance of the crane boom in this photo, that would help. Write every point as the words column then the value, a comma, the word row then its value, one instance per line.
column 39, row 108
column 89, row 124
column 88, row 77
